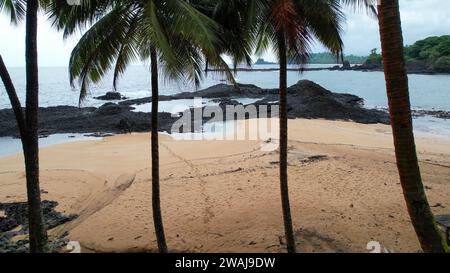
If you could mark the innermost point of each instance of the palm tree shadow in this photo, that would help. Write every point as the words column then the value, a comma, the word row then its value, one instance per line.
column 310, row 240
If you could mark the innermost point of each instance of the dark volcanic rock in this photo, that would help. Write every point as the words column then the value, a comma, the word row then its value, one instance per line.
column 305, row 100
column 412, row 67
column 368, row 67
column 16, row 215
column 111, row 96
column 68, row 119
column 440, row 114
column 226, row 101
column 225, row 91
column 309, row 100
column 221, row 93
column 110, row 109
column 434, row 113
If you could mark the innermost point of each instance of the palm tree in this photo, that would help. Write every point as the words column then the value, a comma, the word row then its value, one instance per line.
column 419, row 210
column 290, row 27
column 238, row 20
column 172, row 34
column 28, row 122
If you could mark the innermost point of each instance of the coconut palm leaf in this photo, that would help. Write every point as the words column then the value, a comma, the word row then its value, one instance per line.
column 99, row 47
column 370, row 6
column 70, row 18
column 14, row 9
column 184, row 37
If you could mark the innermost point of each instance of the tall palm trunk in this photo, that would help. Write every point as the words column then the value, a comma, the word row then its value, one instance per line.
column 156, row 200
column 289, row 232
column 38, row 234
column 405, row 150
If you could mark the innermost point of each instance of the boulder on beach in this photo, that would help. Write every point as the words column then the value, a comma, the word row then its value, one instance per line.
column 307, row 99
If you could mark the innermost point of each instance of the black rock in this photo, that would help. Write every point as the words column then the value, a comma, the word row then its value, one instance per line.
column 346, row 65
column 226, row 101
column 305, row 100
column 16, row 214
column 433, row 113
column 99, row 134
column 125, row 126
column 109, row 109
column 111, row 96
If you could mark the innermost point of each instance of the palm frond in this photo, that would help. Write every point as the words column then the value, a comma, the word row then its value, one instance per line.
column 368, row 6
column 14, row 9
column 98, row 48
column 70, row 18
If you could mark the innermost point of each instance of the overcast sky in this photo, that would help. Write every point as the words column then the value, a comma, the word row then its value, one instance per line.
column 420, row 19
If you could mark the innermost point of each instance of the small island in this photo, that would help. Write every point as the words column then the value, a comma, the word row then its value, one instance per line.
column 261, row 61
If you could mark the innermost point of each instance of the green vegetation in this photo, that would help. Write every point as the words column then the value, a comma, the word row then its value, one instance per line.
column 328, row 58
column 442, row 64
column 374, row 58
column 429, row 55
column 431, row 48
column 432, row 53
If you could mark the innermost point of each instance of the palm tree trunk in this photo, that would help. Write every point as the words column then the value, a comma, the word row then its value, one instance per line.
column 156, row 200
column 38, row 234
column 15, row 102
column 400, row 112
column 289, row 231
column 37, row 231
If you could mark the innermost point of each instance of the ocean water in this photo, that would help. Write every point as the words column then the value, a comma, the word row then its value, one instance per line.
column 428, row 92
column 11, row 146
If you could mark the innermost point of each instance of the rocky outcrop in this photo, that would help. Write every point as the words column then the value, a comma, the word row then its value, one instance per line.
column 305, row 100
column 433, row 113
column 67, row 119
column 412, row 67
column 15, row 223
column 111, row 96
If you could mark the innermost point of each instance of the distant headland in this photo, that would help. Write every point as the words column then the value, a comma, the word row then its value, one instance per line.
column 427, row 56
column 261, row 61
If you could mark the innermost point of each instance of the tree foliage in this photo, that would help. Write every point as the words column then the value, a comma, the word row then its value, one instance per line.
column 121, row 32
column 430, row 49
column 328, row 58
column 432, row 53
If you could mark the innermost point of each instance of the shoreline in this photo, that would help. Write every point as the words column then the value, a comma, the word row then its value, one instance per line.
column 343, row 184
column 133, row 115
column 14, row 145
column 305, row 100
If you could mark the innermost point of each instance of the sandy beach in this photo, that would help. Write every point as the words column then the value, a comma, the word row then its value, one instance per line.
column 223, row 196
